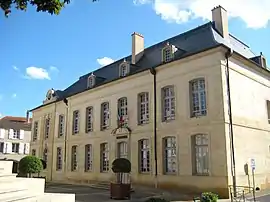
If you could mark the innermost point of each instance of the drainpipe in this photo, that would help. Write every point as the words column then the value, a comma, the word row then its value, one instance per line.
column 53, row 141
column 65, row 136
column 154, row 73
column 228, row 55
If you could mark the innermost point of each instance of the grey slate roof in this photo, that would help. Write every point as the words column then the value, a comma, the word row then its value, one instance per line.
column 191, row 42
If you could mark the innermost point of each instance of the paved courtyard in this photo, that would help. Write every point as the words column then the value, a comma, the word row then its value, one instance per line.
column 86, row 194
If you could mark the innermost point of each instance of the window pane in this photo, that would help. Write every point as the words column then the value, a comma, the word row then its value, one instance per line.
column 170, row 158
column 198, row 97
column 201, row 154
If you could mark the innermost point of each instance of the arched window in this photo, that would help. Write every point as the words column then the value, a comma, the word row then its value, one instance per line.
column 91, row 81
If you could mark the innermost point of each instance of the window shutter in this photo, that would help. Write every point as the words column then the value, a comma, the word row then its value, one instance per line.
column 10, row 135
column 21, row 134
column 8, row 147
column 21, row 148
column 27, row 148
column 2, row 133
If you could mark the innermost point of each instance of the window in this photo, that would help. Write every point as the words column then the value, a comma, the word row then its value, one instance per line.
column 91, row 81
column 35, row 132
column 1, row 147
column 170, row 160
column 45, row 154
column 122, row 150
column 47, row 128
column 76, row 122
column 16, row 134
column 122, row 111
column 88, row 158
column 89, row 120
column 144, row 156
column 104, row 150
column 198, row 98
column 143, row 114
column 59, row 158
column 167, row 54
column 123, row 70
column 200, row 154
column 15, row 147
column 168, row 101
column 33, row 152
column 24, row 149
column 268, row 110
column 105, row 116
column 61, row 125
column 74, row 161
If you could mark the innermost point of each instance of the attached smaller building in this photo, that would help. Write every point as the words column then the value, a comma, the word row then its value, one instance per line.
column 15, row 137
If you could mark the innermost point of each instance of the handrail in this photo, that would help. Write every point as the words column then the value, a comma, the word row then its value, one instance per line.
column 241, row 193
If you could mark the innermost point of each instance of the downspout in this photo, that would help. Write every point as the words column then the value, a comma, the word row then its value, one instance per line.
column 65, row 136
column 53, row 140
column 228, row 55
column 154, row 73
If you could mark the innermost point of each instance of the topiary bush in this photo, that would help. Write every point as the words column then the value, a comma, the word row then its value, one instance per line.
column 120, row 166
column 156, row 200
column 209, row 197
column 29, row 165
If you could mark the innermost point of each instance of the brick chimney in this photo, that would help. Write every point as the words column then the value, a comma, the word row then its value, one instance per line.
column 220, row 20
column 137, row 47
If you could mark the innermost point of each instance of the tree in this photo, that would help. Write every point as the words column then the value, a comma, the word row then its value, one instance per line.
column 50, row 6
column 30, row 165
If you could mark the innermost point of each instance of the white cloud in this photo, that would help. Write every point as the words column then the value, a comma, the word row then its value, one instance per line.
column 105, row 61
column 37, row 73
column 255, row 13
column 14, row 95
column 15, row 68
column 53, row 68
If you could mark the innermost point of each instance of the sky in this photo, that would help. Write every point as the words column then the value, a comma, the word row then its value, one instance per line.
column 39, row 51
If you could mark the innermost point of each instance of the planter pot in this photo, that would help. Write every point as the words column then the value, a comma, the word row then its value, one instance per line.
column 120, row 191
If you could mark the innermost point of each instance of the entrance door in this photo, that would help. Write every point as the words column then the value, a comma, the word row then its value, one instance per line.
column 122, row 152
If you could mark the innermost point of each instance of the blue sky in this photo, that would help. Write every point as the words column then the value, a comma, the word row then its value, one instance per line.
column 40, row 51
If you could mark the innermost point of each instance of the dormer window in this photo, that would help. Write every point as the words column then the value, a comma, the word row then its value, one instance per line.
column 168, row 52
column 91, row 81
column 123, row 69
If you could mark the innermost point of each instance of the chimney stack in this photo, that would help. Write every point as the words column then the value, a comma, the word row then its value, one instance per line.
column 137, row 47
column 27, row 117
column 220, row 20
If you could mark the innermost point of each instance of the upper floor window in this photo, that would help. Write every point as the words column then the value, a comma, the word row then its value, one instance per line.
column 200, row 154
column 105, row 115
column 122, row 111
column 144, row 156
column 61, row 126
column 268, row 110
column 123, row 70
column 170, row 160
column 33, row 152
column 47, row 128
column 59, row 158
column 122, row 150
column 74, row 160
column 198, row 97
column 16, row 134
column 91, row 81
column 168, row 101
column 104, row 161
column 143, row 108
column 89, row 120
column 35, row 132
column 76, row 122
column 168, row 52
column 88, row 158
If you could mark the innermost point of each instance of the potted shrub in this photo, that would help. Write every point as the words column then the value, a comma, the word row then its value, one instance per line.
column 209, row 197
column 29, row 165
column 120, row 190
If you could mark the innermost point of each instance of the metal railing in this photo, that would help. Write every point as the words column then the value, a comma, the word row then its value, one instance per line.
column 242, row 194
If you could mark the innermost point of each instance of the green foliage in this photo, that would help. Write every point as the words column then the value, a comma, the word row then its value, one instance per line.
column 209, row 197
column 121, row 165
column 156, row 200
column 30, row 164
column 50, row 6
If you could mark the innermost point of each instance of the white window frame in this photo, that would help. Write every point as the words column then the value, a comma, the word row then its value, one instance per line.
column 74, row 158
column 61, row 125
column 200, row 154
column 105, row 116
column 123, row 109
column 144, row 156
column 122, row 150
column 123, row 70
column 59, row 161
column 45, row 154
column 35, row 132
column 16, row 134
column 143, row 108
column 170, row 155
column 88, row 158
column 198, row 97
column 15, row 147
column 168, row 102
column 76, row 122
column 104, row 160
column 91, row 81
column 47, row 128
column 89, row 119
